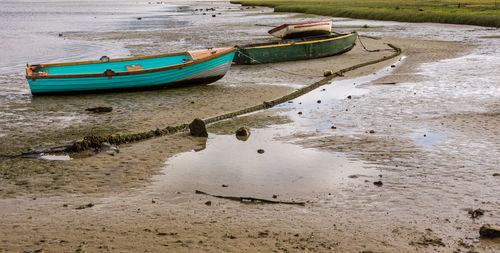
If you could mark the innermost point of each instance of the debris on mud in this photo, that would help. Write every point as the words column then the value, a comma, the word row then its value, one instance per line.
column 476, row 213
column 252, row 200
column 109, row 149
column 89, row 205
column 427, row 240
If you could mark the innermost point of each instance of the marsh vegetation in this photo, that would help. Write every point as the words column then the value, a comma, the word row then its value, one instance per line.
column 472, row 12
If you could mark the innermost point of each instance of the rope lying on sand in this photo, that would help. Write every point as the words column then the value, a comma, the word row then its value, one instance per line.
column 95, row 142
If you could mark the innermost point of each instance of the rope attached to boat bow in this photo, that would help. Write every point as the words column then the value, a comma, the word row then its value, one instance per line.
column 273, row 68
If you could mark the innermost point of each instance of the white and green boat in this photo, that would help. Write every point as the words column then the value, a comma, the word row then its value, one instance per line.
column 295, row 49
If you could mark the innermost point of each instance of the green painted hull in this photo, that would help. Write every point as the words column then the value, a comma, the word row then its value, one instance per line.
column 295, row 49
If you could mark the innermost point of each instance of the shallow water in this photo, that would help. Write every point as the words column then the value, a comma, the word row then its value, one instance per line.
column 283, row 169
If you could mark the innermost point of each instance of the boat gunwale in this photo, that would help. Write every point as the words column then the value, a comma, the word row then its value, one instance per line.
column 271, row 44
column 283, row 26
column 218, row 52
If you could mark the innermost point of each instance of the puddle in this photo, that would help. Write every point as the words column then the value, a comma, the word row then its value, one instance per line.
column 428, row 137
column 311, row 111
column 283, row 169
column 55, row 157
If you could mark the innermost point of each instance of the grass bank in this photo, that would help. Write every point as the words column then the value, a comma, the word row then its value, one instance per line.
column 472, row 12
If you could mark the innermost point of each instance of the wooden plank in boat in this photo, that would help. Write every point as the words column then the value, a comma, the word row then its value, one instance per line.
column 201, row 54
column 133, row 67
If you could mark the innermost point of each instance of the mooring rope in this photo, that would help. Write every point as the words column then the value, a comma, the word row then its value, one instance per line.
column 95, row 142
column 363, row 45
column 273, row 68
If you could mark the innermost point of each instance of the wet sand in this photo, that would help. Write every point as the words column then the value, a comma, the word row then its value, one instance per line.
column 137, row 205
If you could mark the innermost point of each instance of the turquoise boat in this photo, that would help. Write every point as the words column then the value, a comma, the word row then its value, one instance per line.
column 146, row 72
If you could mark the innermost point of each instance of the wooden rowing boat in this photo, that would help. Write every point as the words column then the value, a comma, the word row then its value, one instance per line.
column 155, row 71
column 295, row 49
column 305, row 29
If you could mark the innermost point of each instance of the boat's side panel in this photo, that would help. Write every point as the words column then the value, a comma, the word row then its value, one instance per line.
column 117, row 66
column 160, row 78
column 295, row 51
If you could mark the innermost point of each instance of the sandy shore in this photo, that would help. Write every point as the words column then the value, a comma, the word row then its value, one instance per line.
column 117, row 203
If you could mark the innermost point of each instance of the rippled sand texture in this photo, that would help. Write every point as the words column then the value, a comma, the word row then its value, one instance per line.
column 426, row 128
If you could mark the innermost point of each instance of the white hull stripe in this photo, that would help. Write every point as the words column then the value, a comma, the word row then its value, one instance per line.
column 219, row 70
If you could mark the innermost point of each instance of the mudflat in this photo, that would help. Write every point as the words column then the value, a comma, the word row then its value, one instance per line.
column 143, row 198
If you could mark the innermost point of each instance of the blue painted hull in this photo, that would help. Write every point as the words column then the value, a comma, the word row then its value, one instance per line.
column 199, row 72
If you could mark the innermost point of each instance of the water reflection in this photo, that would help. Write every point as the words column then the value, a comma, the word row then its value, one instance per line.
column 284, row 169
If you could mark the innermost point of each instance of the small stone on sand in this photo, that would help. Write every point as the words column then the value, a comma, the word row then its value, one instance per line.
column 197, row 128
column 489, row 231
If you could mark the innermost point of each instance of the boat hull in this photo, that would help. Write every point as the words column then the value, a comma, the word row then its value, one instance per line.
column 295, row 49
column 200, row 73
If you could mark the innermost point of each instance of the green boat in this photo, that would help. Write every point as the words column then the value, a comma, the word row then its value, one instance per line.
column 146, row 72
column 295, row 49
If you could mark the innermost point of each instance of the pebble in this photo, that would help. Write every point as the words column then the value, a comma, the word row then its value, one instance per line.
column 260, row 151
column 378, row 183
column 208, row 203
column 197, row 128
column 489, row 231
column 243, row 131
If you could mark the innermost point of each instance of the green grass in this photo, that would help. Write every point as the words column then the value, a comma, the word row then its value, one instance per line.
column 472, row 12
